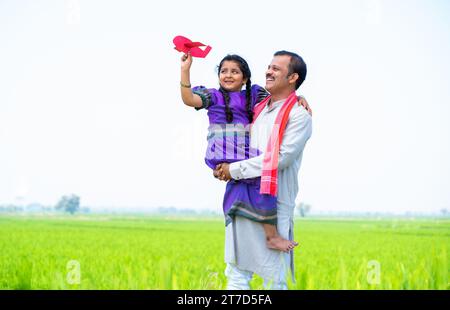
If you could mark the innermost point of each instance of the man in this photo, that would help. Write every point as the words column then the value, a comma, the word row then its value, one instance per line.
column 245, row 247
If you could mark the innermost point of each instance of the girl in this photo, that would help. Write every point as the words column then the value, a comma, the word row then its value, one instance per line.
column 230, row 111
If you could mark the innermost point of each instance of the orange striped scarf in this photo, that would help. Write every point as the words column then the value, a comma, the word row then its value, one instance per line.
column 269, row 175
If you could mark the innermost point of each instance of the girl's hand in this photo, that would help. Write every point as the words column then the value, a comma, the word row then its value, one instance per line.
column 186, row 61
column 302, row 101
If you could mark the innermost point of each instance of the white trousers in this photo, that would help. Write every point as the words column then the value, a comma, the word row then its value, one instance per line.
column 238, row 279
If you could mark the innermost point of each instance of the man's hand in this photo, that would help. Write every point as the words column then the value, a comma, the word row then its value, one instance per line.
column 216, row 173
column 222, row 172
column 302, row 101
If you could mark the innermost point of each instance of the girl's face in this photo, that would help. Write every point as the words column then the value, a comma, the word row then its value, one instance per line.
column 231, row 77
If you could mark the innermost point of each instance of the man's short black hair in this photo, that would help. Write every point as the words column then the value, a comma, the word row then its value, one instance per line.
column 296, row 65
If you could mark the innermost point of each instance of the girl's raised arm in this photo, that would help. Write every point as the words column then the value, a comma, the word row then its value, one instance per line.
column 188, row 97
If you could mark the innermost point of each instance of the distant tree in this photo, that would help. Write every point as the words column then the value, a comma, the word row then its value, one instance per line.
column 70, row 204
column 167, row 210
column 303, row 209
column 85, row 210
column 444, row 212
column 14, row 208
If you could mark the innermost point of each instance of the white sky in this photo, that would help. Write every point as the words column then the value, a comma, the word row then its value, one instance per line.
column 89, row 99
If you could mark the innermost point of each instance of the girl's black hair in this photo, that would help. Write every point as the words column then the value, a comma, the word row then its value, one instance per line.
column 243, row 65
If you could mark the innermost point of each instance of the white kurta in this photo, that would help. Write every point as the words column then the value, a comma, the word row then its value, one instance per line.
column 245, row 243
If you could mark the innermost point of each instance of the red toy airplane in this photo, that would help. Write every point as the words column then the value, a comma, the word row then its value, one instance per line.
column 185, row 45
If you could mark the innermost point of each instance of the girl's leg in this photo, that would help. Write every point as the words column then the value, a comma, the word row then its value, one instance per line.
column 275, row 241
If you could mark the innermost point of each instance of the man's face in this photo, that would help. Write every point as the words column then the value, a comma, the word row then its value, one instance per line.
column 277, row 74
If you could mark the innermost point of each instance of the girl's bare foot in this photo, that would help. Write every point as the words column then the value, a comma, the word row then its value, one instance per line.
column 280, row 244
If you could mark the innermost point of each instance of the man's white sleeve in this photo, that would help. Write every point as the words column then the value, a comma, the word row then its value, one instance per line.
column 298, row 131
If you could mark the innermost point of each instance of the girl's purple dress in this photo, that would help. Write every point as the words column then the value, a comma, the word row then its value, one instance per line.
column 230, row 143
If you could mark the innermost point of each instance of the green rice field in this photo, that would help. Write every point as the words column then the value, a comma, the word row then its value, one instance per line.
column 132, row 252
